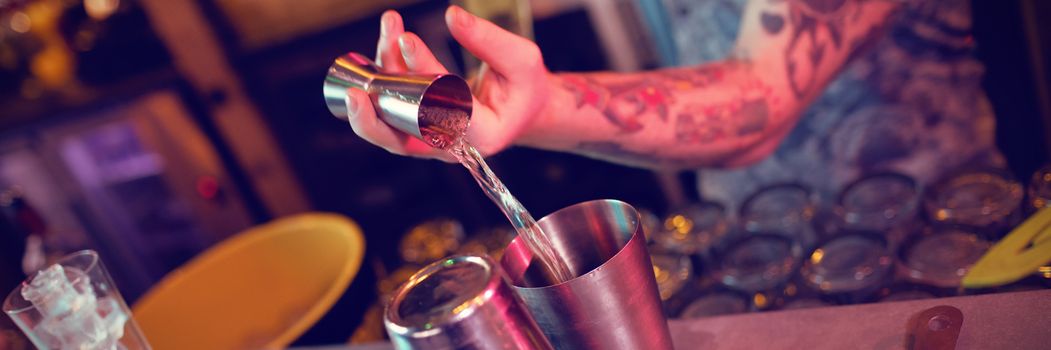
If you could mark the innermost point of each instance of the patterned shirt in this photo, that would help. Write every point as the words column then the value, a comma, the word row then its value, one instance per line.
column 912, row 104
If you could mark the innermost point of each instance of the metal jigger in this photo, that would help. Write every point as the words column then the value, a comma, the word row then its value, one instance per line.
column 435, row 108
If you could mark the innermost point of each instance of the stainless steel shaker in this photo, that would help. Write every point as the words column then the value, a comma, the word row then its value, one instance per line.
column 613, row 303
column 461, row 302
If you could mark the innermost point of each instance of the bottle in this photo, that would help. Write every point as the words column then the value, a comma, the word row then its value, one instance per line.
column 29, row 224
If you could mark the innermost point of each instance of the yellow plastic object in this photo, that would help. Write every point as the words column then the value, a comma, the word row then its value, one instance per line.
column 1019, row 254
column 260, row 289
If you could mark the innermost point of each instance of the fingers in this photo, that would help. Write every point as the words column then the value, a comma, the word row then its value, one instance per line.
column 396, row 52
column 388, row 55
column 488, row 134
column 417, row 56
column 504, row 51
column 363, row 119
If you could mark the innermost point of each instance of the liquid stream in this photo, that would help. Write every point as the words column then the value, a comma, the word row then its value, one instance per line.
column 523, row 223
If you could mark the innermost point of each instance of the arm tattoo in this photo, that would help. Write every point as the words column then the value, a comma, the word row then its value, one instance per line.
column 697, row 77
column 716, row 112
column 806, row 51
column 772, row 23
column 585, row 90
column 630, row 101
column 701, row 123
column 623, row 104
column 626, row 104
column 712, row 122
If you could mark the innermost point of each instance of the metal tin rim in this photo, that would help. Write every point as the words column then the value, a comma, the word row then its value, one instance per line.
column 635, row 234
column 396, row 324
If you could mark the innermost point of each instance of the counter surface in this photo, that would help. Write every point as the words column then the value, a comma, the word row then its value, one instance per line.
column 1019, row 320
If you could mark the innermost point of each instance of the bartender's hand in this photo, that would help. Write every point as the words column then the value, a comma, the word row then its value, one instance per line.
column 510, row 94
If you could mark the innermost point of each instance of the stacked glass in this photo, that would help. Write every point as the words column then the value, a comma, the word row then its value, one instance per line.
column 887, row 240
column 681, row 244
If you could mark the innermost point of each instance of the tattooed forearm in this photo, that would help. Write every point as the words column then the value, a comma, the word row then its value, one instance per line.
column 628, row 103
column 709, row 123
column 698, row 77
column 729, row 112
column 585, row 91
column 623, row 104
column 747, row 114
column 703, row 113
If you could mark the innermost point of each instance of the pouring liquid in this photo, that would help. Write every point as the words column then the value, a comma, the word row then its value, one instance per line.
column 523, row 223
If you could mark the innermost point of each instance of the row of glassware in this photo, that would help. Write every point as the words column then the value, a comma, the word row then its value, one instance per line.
column 884, row 238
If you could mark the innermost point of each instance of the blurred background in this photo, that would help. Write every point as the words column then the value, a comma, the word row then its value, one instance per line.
column 150, row 130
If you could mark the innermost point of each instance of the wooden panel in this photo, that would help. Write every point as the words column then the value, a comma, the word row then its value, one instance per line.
column 188, row 155
column 198, row 55
column 262, row 23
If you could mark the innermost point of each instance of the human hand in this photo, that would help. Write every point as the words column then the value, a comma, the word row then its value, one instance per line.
column 507, row 98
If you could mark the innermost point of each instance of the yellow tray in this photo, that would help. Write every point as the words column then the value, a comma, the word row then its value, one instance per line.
column 260, row 289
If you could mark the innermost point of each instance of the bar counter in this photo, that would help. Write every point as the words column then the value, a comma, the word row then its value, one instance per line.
column 1020, row 320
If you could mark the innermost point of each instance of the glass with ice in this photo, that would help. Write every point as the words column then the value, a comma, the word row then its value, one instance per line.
column 73, row 304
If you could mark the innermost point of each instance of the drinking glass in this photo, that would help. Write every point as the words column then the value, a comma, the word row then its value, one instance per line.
column 1039, row 197
column 715, row 303
column 693, row 229
column 1039, row 191
column 941, row 256
column 888, row 203
column 430, row 241
column 787, row 208
column 756, row 262
column 986, row 199
column 793, row 296
column 849, row 267
column 74, row 304
column 672, row 271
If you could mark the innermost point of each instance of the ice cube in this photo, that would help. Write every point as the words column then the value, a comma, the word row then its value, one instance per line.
column 73, row 318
